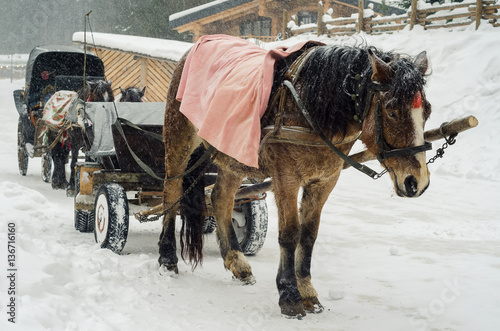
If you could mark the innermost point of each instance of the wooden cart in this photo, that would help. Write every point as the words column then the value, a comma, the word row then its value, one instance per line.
column 126, row 137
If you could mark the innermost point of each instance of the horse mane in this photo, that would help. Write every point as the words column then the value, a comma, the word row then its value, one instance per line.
column 333, row 75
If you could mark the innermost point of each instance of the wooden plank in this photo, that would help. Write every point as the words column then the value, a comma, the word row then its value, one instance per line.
column 447, row 17
column 392, row 27
column 441, row 8
column 390, row 19
column 449, row 25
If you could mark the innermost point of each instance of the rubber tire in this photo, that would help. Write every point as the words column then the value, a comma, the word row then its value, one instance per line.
column 252, row 235
column 46, row 160
column 84, row 220
column 111, row 217
column 209, row 225
column 22, row 154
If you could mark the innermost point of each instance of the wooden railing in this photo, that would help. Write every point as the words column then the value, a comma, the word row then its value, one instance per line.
column 430, row 17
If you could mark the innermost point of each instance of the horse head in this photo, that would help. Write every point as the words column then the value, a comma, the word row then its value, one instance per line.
column 100, row 91
column 132, row 94
column 394, row 125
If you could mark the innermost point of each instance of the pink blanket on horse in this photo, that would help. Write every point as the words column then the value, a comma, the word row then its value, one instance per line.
column 224, row 91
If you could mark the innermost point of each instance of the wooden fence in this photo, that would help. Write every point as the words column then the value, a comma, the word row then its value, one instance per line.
column 430, row 17
column 126, row 69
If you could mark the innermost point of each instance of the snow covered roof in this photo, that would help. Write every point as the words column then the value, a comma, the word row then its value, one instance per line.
column 378, row 6
column 217, row 6
column 149, row 47
column 199, row 12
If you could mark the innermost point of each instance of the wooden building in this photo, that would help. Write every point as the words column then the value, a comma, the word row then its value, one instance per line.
column 260, row 19
column 136, row 61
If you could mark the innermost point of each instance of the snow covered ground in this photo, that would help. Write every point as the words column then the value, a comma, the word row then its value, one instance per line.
column 380, row 262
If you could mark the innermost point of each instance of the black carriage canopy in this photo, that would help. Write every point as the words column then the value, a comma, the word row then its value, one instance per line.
column 58, row 61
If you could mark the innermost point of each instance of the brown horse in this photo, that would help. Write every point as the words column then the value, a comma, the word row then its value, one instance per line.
column 348, row 92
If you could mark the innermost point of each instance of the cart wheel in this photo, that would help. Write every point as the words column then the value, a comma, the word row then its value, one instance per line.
column 46, row 167
column 22, row 153
column 84, row 220
column 111, row 217
column 250, row 225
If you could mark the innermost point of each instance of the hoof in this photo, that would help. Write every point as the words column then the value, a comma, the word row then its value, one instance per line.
column 169, row 270
column 59, row 185
column 313, row 306
column 236, row 262
column 248, row 280
column 70, row 193
column 296, row 317
column 293, row 310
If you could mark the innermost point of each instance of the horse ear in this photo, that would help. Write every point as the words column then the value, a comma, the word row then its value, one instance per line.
column 109, row 82
column 382, row 72
column 122, row 91
column 143, row 91
column 422, row 62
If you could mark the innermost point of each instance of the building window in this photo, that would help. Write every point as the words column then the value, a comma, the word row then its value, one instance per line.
column 260, row 27
column 307, row 17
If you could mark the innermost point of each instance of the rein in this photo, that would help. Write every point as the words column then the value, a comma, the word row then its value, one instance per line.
column 385, row 151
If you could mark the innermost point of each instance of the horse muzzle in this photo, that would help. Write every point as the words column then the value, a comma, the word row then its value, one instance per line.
column 411, row 187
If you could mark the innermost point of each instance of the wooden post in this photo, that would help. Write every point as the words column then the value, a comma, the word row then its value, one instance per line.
column 413, row 14
column 321, row 11
column 285, row 23
column 144, row 70
column 479, row 12
column 361, row 6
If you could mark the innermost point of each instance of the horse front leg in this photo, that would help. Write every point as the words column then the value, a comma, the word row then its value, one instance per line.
column 59, row 155
column 76, row 141
column 223, row 203
column 290, row 299
column 315, row 194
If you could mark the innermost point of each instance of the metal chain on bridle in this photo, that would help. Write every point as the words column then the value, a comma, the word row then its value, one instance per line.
column 448, row 142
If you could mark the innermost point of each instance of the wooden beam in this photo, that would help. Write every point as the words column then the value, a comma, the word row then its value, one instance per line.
column 454, row 127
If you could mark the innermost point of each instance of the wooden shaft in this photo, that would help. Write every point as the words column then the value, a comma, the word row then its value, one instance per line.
column 253, row 190
column 454, row 127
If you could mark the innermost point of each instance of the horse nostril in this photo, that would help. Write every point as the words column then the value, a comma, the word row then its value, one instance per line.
column 411, row 186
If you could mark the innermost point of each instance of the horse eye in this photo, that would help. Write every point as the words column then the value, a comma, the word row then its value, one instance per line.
column 392, row 114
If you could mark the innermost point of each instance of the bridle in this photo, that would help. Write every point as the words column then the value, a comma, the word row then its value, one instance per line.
column 362, row 109
column 386, row 151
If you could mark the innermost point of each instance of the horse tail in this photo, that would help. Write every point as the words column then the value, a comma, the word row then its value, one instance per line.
column 192, row 209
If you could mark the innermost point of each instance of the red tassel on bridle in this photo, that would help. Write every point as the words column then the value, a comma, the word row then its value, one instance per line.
column 417, row 100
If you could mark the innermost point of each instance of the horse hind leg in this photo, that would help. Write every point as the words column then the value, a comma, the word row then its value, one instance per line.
column 180, row 139
column 176, row 161
column 314, row 197
column 223, row 203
